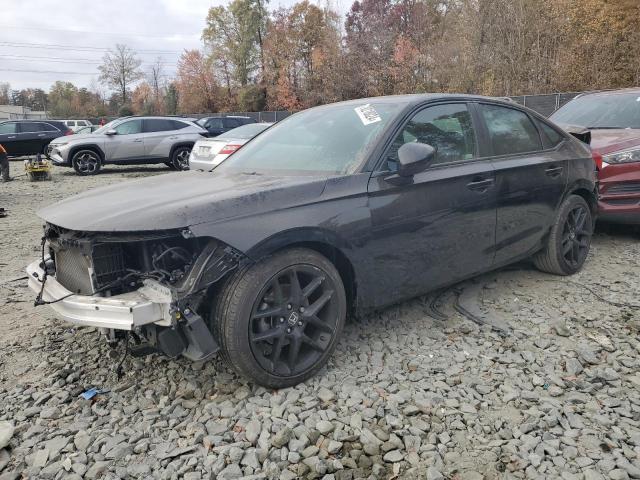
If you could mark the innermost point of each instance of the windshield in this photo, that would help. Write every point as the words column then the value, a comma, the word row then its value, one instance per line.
column 244, row 132
column 601, row 111
column 106, row 126
column 331, row 139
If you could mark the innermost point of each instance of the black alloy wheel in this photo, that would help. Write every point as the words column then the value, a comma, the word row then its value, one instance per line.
column 278, row 321
column 293, row 320
column 576, row 236
column 569, row 239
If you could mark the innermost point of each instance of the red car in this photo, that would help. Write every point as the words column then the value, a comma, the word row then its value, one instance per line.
column 614, row 121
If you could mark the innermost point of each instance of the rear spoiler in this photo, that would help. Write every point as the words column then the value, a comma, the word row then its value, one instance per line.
column 581, row 133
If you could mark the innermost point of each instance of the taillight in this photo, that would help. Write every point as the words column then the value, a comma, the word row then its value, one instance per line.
column 597, row 159
column 68, row 132
column 229, row 149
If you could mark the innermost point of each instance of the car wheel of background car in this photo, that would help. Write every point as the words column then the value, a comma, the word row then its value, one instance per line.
column 278, row 321
column 568, row 244
column 170, row 165
column 180, row 158
column 86, row 162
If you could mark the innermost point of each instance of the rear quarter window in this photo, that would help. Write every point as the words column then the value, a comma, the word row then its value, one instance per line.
column 550, row 136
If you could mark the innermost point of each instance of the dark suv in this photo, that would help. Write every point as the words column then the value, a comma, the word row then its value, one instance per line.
column 219, row 125
column 29, row 137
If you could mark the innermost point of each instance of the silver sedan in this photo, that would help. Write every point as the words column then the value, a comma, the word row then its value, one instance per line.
column 208, row 153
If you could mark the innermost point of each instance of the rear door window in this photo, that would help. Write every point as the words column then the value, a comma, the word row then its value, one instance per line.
column 158, row 125
column 231, row 123
column 511, row 131
column 30, row 127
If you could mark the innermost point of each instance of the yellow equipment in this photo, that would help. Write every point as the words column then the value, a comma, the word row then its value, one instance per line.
column 37, row 169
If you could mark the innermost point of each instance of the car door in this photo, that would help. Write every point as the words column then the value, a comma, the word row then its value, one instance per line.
column 30, row 138
column 156, row 133
column 9, row 138
column 530, row 180
column 45, row 133
column 438, row 226
column 127, row 143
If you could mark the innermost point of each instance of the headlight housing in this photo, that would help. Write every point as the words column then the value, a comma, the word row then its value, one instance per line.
column 625, row 156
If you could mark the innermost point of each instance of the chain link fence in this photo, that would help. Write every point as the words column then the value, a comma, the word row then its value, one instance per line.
column 545, row 104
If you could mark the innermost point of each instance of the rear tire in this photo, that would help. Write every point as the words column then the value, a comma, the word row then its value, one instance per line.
column 86, row 162
column 278, row 321
column 180, row 158
column 568, row 244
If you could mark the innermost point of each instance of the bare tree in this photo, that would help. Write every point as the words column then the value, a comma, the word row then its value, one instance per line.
column 120, row 68
column 154, row 78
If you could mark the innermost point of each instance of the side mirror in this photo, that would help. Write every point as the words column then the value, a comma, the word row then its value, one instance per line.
column 111, row 132
column 414, row 158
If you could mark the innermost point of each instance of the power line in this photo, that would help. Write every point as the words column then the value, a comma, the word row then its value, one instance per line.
column 93, row 32
column 80, row 61
column 78, row 48
column 47, row 71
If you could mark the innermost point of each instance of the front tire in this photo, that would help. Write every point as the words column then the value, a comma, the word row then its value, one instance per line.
column 180, row 158
column 86, row 162
column 568, row 244
column 278, row 321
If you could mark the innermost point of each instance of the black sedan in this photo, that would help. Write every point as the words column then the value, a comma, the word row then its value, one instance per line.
column 336, row 210
column 29, row 137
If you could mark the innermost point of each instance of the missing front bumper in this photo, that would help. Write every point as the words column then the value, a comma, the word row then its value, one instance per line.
column 121, row 312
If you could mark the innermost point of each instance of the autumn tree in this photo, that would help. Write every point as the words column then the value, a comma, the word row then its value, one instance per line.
column 5, row 93
column 196, row 83
column 120, row 69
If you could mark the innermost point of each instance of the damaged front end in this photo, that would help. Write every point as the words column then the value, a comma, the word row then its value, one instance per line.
column 149, row 286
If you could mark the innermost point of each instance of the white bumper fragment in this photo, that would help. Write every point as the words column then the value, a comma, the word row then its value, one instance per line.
column 122, row 312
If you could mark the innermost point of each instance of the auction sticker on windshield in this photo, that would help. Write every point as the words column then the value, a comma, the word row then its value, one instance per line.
column 367, row 114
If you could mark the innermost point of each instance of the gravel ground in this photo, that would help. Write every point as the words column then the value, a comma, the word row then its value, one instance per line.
column 549, row 387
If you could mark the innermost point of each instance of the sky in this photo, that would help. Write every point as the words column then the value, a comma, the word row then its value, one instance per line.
column 43, row 41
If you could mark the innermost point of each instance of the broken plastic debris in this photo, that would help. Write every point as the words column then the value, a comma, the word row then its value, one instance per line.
column 92, row 392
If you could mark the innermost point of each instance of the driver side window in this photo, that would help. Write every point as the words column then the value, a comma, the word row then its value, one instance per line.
column 130, row 127
column 447, row 128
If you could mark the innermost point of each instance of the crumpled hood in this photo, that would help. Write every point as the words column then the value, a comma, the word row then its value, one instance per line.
column 608, row 141
column 178, row 200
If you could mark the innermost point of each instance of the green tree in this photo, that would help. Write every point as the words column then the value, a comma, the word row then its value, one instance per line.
column 235, row 36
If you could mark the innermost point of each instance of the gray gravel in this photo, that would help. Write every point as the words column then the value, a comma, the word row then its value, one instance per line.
column 405, row 395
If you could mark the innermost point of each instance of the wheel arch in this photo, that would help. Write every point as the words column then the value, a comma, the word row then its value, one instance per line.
column 326, row 243
column 587, row 191
column 91, row 146
column 175, row 146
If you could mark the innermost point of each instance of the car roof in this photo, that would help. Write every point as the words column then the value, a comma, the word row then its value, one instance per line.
column 605, row 93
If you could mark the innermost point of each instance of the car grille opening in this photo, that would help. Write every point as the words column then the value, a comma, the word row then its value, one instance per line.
column 622, row 188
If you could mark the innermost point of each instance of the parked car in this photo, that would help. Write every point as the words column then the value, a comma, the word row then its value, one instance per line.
column 129, row 140
column 613, row 118
column 29, row 137
column 208, row 153
column 219, row 125
column 75, row 125
column 89, row 129
column 341, row 208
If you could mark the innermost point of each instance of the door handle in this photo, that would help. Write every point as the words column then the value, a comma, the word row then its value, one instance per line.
column 553, row 171
column 137, row 140
column 12, row 137
column 480, row 185
column 41, row 135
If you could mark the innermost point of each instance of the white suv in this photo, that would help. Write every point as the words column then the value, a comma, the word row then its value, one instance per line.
column 75, row 125
column 130, row 140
